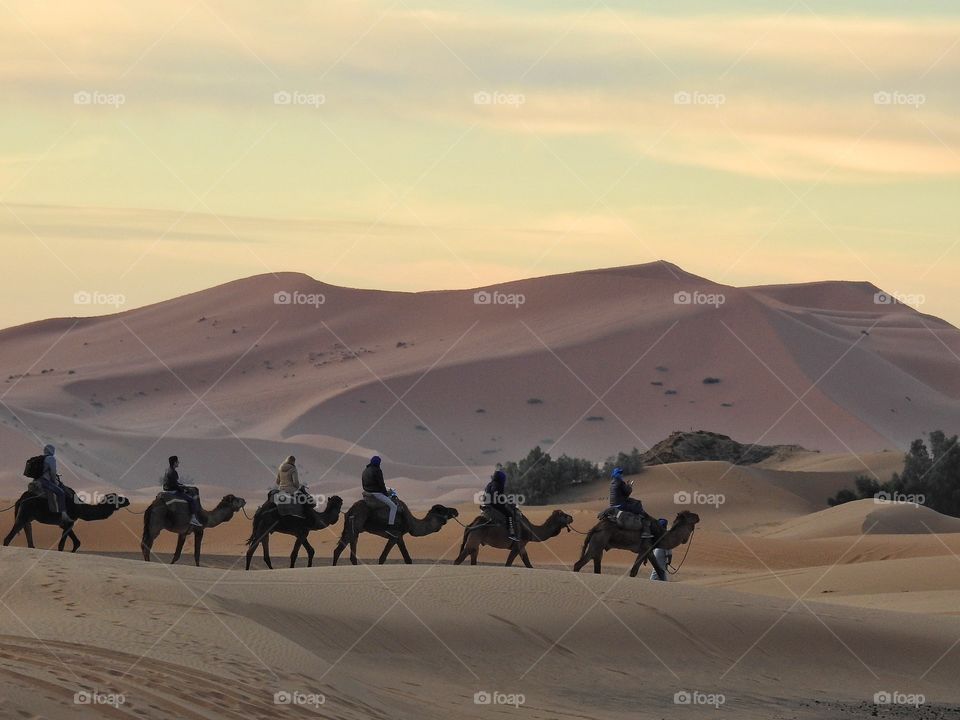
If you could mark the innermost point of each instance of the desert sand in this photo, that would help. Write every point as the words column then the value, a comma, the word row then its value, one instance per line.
column 782, row 609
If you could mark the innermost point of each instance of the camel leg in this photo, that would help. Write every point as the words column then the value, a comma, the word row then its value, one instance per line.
column 181, row 539
column 386, row 551
column 584, row 559
column 266, row 551
column 150, row 532
column 464, row 551
column 68, row 533
column 473, row 555
column 310, row 551
column 642, row 555
column 198, row 541
column 512, row 555
column 525, row 558
column 18, row 525
column 403, row 551
column 254, row 544
column 28, row 531
column 338, row 550
column 296, row 551
column 353, row 551
column 596, row 562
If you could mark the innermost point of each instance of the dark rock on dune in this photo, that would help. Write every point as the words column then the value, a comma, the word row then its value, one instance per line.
column 704, row 445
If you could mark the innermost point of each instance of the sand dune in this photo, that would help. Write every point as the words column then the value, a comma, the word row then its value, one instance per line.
column 420, row 642
column 868, row 516
column 444, row 387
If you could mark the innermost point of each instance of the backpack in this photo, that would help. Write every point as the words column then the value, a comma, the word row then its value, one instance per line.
column 34, row 467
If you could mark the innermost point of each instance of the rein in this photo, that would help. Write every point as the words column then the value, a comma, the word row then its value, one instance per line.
column 9, row 508
column 675, row 570
column 134, row 512
column 570, row 527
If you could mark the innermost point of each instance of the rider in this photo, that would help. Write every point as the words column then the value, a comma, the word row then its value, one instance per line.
column 663, row 556
column 374, row 486
column 172, row 484
column 620, row 491
column 495, row 498
column 50, row 481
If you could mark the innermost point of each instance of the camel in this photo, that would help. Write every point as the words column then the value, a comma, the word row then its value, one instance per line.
column 32, row 507
column 175, row 517
column 361, row 517
column 482, row 531
column 605, row 535
column 267, row 520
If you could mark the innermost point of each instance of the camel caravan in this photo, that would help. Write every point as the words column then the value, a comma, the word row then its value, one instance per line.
column 290, row 509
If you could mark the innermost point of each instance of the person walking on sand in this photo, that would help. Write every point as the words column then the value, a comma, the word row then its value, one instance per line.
column 663, row 556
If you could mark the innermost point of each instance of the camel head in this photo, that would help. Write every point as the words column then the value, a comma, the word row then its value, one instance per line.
column 444, row 513
column 233, row 502
column 335, row 502
column 114, row 501
column 686, row 517
column 562, row 519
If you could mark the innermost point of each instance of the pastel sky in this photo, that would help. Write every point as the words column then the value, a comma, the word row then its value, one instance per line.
column 153, row 149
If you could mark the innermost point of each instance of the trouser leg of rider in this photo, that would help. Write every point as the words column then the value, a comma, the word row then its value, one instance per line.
column 661, row 555
column 391, row 505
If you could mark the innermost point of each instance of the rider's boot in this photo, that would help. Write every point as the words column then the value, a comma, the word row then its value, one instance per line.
column 195, row 522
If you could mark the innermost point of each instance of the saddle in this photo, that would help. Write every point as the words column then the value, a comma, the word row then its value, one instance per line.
column 627, row 521
column 169, row 497
column 379, row 511
column 35, row 488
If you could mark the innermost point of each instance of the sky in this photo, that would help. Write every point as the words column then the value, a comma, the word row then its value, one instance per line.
column 148, row 150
